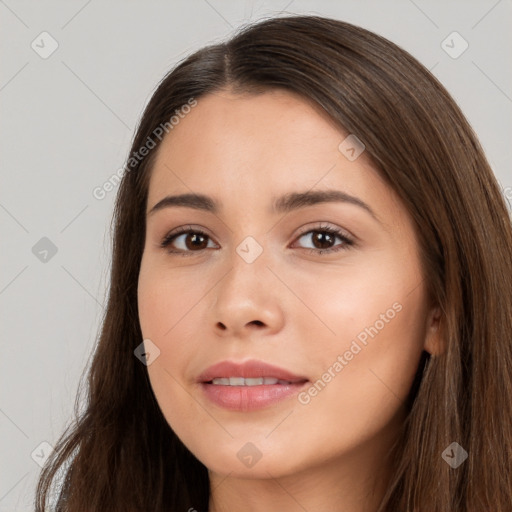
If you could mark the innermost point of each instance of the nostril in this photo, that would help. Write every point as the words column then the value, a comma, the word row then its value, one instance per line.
column 257, row 322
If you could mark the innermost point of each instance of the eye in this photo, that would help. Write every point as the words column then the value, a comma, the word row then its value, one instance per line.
column 325, row 240
column 187, row 240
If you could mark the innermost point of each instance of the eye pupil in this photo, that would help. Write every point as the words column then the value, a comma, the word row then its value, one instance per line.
column 196, row 241
column 322, row 240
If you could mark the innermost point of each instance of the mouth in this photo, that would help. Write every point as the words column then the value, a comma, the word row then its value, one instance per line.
column 241, row 381
column 249, row 386
column 247, row 373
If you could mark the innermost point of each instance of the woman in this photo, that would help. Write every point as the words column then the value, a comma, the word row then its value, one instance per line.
column 310, row 303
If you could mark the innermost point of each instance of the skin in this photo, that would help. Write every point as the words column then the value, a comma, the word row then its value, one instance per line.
column 294, row 306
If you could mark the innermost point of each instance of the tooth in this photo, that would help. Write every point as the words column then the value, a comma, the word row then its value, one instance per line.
column 221, row 381
column 254, row 382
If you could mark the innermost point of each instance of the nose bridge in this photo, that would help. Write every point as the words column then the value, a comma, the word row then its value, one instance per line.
column 246, row 295
column 248, row 269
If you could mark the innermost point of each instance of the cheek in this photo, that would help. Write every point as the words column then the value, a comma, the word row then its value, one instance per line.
column 377, row 295
column 365, row 373
column 167, row 299
column 169, row 306
column 364, row 390
column 371, row 342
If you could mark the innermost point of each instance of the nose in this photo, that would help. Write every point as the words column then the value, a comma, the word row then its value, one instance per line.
column 247, row 300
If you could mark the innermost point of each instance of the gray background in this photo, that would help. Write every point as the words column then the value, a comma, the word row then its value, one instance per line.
column 67, row 122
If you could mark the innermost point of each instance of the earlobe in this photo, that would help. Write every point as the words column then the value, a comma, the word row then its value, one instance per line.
column 433, row 336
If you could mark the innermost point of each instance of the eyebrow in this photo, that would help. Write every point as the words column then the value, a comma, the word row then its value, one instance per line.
column 283, row 204
column 196, row 201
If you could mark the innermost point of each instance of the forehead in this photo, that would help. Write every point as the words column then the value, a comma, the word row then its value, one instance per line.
column 272, row 138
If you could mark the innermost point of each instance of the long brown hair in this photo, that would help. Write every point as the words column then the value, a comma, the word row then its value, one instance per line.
column 120, row 454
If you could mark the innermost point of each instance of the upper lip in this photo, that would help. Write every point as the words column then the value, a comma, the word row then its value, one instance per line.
column 248, row 369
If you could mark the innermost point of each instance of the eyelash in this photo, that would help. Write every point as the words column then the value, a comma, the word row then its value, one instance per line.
column 347, row 242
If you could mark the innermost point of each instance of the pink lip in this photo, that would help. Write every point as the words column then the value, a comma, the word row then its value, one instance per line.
column 247, row 370
column 249, row 398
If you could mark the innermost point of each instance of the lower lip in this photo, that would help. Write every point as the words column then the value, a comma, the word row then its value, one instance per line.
column 250, row 398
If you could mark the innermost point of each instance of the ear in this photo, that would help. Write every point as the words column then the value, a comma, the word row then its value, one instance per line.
column 434, row 344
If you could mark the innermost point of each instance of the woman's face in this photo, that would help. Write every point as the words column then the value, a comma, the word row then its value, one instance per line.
column 298, row 256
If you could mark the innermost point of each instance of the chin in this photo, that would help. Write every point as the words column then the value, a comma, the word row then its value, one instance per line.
column 244, row 459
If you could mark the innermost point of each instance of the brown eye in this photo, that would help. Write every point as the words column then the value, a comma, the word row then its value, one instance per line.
column 324, row 240
column 187, row 241
column 196, row 241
